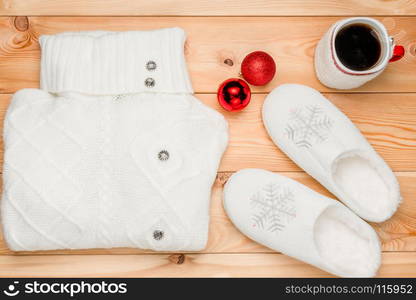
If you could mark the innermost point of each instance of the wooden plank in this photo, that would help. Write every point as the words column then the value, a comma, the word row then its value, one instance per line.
column 208, row 7
column 387, row 120
column 396, row 234
column 212, row 40
column 394, row 264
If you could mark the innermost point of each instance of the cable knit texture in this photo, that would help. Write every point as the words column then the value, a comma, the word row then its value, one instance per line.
column 114, row 151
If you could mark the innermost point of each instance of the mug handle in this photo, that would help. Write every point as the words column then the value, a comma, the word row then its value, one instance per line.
column 398, row 53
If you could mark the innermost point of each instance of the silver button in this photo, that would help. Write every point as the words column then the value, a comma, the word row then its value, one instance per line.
column 163, row 155
column 149, row 82
column 158, row 235
column 151, row 65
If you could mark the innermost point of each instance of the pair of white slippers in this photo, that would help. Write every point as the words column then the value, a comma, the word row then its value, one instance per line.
column 287, row 216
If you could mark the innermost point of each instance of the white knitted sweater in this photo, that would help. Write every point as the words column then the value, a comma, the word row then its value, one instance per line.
column 113, row 150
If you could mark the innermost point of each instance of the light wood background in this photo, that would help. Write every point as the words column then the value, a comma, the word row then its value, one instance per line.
column 384, row 110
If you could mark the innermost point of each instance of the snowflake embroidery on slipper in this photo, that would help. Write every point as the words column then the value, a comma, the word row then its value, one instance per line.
column 274, row 207
column 307, row 126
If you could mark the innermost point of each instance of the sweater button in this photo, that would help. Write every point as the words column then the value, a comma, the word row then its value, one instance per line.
column 149, row 82
column 151, row 65
column 163, row 155
column 158, row 235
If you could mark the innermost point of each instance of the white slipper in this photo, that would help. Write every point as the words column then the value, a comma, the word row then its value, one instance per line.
column 287, row 216
column 327, row 145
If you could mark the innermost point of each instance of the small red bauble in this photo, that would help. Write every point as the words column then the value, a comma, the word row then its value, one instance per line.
column 234, row 94
column 258, row 68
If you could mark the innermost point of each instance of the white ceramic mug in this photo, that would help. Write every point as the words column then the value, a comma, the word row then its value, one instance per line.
column 332, row 73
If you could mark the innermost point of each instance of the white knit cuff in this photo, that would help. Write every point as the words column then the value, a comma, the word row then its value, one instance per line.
column 103, row 62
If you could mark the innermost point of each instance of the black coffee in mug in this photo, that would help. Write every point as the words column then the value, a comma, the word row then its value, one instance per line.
column 358, row 47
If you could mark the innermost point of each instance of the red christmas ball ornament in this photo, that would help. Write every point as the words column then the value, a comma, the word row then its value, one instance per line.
column 258, row 68
column 234, row 94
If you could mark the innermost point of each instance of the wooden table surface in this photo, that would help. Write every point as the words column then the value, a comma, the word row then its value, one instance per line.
column 384, row 110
